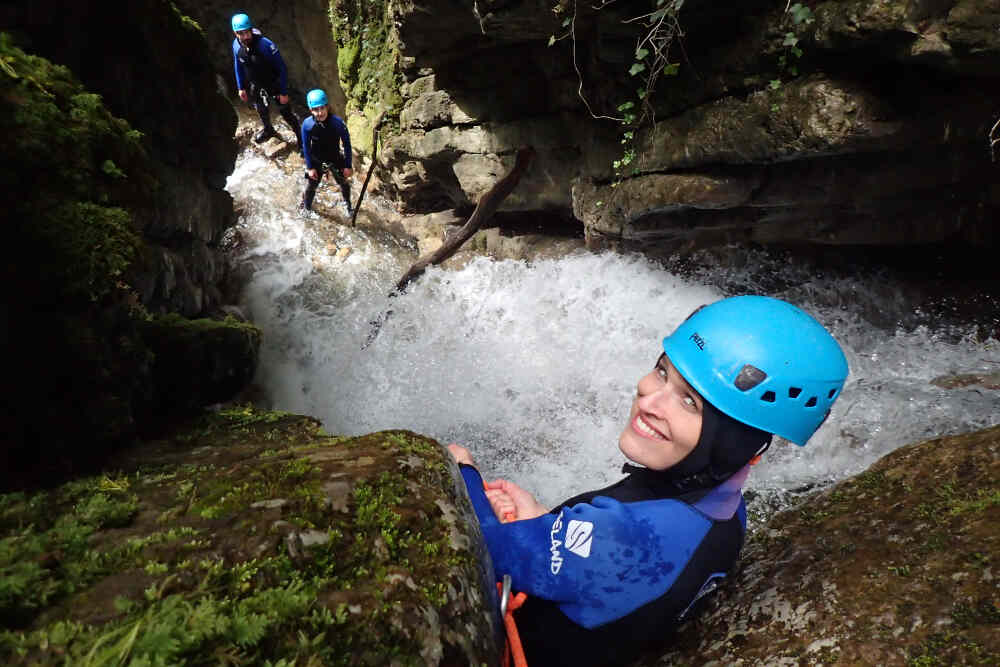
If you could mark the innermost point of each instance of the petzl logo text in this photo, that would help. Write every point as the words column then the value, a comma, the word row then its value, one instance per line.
column 579, row 536
column 698, row 340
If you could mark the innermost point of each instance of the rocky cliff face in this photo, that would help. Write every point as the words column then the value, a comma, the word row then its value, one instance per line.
column 874, row 130
column 877, row 136
column 116, row 153
column 150, row 67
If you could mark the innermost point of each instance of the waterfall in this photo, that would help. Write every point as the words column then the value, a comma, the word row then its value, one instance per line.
column 533, row 366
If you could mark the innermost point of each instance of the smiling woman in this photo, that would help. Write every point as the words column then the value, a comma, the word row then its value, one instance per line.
column 610, row 572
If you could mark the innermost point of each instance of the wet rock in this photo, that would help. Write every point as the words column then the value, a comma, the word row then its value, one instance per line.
column 395, row 565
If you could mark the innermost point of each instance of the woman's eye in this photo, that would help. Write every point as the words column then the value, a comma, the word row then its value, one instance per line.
column 661, row 372
column 689, row 402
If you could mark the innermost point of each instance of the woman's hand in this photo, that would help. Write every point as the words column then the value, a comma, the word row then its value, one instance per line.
column 502, row 504
column 461, row 454
column 525, row 505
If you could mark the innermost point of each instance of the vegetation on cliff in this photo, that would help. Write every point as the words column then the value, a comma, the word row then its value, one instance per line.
column 368, row 63
column 81, row 371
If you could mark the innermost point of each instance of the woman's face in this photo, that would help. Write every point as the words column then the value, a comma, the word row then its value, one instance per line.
column 665, row 420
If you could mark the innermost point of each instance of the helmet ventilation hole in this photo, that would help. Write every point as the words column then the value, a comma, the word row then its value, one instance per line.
column 793, row 392
column 768, row 396
column 811, row 403
column 832, row 392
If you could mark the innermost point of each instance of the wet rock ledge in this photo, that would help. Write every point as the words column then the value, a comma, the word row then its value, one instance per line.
column 247, row 537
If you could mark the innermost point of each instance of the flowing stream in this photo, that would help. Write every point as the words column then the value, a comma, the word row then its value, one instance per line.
column 533, row 366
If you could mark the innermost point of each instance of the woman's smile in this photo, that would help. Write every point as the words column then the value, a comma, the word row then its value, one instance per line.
column 643, row 427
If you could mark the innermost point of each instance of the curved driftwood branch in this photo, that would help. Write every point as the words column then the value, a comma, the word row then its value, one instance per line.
column 487, row 206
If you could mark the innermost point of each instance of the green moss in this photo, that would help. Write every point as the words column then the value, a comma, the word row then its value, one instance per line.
column 78, row 170
column 220, row 580
column 186, row 21
column 368, row 61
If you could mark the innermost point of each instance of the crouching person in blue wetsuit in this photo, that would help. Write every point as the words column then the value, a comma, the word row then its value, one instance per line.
column 261, row 76
column 609, row 573
column 322, row 136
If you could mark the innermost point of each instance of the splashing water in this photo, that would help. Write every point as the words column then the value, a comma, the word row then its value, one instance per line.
column 533, row 366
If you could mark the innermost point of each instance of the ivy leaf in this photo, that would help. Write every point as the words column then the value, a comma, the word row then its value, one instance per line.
column 566, row 21
column 625, row 106
column 671, row 69
column 797, row 52
column 641, row 53
column 775, row 84
column 801, row 13
column 636, row 68
column 790, row 39
column 552, row 40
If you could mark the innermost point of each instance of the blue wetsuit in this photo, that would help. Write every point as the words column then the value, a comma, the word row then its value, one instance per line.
column 261, row 70
column 610, row 572
column 260, row 63
column 320, row 144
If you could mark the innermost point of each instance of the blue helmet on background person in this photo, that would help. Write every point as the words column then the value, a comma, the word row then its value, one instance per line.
column 316, row 98
column 241, row 22
column 761, row 361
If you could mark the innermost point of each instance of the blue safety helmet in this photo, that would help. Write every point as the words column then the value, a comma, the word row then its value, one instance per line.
column 315, row 98
column 763, row 362
column 241, row 22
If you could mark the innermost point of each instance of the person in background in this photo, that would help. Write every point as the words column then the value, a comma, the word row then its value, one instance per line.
column 609, row 573
column 322, row 137
column 261, row 76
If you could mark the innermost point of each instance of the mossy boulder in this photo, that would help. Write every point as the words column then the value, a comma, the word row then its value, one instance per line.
column 251, row 537
column 896, row 566
column 198, row 362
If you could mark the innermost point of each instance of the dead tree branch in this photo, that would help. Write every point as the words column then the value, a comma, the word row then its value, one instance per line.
column 371, row 168
column 488, row 205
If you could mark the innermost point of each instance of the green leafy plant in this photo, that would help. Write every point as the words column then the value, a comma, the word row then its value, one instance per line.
column 659, row 30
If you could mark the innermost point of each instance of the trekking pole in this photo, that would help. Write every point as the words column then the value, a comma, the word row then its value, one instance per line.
column 364, row 186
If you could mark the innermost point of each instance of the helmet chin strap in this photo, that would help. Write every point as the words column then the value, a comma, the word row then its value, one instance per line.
column 724, row 447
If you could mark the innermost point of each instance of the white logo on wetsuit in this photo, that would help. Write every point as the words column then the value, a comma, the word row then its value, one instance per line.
column 579, row 536
column 556, row 562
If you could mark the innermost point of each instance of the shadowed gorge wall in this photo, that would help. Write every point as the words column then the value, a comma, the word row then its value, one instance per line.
column 116, row 154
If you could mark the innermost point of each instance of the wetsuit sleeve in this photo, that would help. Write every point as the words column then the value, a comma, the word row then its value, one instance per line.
column 597, row 561
column 270, row 51
column 240, row 74
column 345, row 138
column 307, row 126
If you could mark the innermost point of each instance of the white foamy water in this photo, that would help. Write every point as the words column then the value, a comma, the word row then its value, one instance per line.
column 533, row 367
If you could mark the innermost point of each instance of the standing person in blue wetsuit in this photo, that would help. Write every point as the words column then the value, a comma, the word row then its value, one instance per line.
column 609, row 573
column 261, row 76
column 322, row 136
